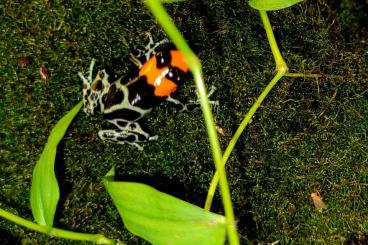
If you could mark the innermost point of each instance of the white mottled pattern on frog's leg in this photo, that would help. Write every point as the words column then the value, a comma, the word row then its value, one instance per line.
column 129, row 126
column 149, row 49
column 125, row 136
column 209, row 94
column 191, row 105
column 126, row 132
column 119, row 137
column 134, row 127
column 135, row 61
column 177, row 102
column 90, row 71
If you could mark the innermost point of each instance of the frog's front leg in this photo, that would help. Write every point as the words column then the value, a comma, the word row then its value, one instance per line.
column 126, row 132
column 191, row 105
column 149, row 49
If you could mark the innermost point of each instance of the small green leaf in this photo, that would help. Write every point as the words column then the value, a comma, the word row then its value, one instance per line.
column 269, row 5
column 162, row 219
column 44, row 188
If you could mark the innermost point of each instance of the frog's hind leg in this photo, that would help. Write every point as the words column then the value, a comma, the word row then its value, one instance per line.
column 126, row 132
column 119, row 137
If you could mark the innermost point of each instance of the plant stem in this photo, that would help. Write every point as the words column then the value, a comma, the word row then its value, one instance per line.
column 195, row 66
column 239, row 131
column 313, row 75
column 280, row 63
column 54, row 232
column 281, row 68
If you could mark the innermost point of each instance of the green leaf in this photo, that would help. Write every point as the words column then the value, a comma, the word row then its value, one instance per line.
column 269, row 5
column 162, row 219
column 44, row 188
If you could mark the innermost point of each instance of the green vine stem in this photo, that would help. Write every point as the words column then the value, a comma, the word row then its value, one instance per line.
column 280, row 63
column 282, row 69
column 313, row 75
column 167, row 24
column 239, row 131
column 55, row 232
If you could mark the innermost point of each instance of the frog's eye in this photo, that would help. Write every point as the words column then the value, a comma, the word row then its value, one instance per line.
column 163, row 59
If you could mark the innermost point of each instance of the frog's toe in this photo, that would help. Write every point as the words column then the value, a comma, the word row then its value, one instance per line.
column 153, row 138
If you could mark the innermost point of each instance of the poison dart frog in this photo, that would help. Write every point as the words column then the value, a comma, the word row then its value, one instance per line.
column 124, row 102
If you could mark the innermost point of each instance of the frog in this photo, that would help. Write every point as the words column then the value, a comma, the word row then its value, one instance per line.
column 125, row 101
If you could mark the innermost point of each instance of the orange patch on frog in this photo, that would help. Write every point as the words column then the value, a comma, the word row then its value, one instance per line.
column 156, row 77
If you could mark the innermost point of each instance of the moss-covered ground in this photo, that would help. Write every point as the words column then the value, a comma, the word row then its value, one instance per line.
column 310, row 135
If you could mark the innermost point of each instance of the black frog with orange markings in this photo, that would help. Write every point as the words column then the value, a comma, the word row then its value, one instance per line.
column 125, row 101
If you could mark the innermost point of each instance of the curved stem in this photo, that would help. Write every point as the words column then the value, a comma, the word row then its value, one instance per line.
column 282, row 69
column 239, row 131
column 280, row 63
column 195, row 67
column 54, row 232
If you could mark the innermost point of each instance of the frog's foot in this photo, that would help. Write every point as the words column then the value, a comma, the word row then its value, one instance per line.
column 192, row 105
column 150, row 48
column 126, row 132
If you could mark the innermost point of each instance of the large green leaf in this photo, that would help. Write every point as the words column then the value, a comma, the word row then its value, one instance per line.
column 44, row 188
column 162, row 219
column 269, row 5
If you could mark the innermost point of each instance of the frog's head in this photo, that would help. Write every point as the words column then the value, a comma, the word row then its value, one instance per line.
column 90, row 102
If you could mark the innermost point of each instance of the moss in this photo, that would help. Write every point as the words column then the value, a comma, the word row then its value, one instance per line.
column 309, row 136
